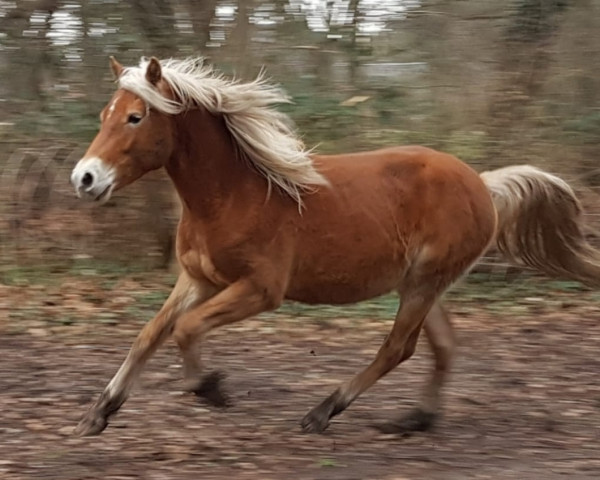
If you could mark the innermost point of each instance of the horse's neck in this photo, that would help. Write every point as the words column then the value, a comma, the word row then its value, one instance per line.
column 206, row 169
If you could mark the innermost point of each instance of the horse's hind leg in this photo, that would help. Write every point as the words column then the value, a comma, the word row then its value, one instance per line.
column 399, row 345
column 440, row 336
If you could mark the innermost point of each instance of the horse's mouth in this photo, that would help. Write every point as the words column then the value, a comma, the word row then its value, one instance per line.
column 104, row 195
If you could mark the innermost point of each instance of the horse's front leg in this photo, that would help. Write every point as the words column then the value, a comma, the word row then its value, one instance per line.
column 186, row 294
column 238, row 301
column 191, row 356
column 195, row 381
column 241, row 300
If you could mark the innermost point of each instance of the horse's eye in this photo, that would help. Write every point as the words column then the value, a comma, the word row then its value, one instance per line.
column 134, row 118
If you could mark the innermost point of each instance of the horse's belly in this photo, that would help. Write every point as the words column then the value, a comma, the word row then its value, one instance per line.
column 335, row 294
column 344, row 285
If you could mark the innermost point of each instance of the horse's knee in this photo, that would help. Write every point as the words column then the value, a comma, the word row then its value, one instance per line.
column 183, row 334
column 268, row 298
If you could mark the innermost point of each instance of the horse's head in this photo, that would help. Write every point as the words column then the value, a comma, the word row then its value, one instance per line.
column 133, row 139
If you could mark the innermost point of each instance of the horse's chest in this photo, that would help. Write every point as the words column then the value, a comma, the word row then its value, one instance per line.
column 198, row 264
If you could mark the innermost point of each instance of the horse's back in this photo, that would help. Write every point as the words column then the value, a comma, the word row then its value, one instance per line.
column 387, row 212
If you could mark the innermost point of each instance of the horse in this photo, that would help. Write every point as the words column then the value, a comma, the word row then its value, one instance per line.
column 264, row 219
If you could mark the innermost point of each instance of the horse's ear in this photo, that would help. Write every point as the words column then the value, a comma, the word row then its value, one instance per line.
column 153, row 71
column 116, row 67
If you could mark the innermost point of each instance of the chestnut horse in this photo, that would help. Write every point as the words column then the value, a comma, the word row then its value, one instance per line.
column 264, row 220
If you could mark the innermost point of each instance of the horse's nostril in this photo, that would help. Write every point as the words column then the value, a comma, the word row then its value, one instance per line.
column 87, row 179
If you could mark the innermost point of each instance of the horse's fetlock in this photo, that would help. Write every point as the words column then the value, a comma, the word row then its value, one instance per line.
column 108, row 403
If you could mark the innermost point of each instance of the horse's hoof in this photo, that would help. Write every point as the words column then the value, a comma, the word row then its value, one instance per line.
column 210, row 389
column 315, row 421
column 416, row 421
column 91, row 424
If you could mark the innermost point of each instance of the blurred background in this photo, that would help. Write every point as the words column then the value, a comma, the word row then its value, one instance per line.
column 494, row 83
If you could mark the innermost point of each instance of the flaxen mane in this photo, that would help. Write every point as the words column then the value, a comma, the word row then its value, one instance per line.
column 264, row 135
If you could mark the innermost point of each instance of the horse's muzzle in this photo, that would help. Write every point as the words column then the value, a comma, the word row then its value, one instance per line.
column 92, row 179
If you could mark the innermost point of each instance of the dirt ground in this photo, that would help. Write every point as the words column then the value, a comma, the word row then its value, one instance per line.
column 523, row 402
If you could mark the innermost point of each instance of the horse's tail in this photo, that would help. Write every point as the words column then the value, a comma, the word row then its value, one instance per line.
column 540, row 223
